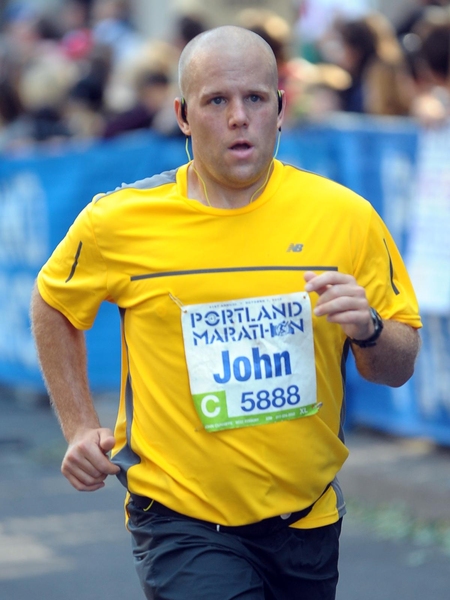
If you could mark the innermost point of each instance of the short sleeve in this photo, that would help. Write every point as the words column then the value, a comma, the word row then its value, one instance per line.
column 74, row 279
column 382, row 273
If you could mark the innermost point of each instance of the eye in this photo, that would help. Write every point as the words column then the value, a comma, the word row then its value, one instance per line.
column 217, row 100
column 254, row 98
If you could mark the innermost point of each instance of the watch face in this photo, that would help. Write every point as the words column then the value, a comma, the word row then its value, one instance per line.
column 377, row 322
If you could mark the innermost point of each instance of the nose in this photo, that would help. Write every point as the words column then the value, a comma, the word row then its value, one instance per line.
column 237, row 116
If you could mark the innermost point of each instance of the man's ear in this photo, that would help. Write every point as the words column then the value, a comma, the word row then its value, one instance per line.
column 181, row 114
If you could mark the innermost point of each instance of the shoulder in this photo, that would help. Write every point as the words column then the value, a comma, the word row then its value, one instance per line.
column 322, row 191
column 121, row 207
column 149, row 183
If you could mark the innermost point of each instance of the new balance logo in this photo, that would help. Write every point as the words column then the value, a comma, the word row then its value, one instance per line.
column 295, row 248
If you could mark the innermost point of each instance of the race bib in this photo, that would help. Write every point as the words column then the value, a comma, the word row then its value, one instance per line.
column 251, row 361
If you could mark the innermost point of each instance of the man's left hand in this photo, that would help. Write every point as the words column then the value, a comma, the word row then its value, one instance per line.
column 342, row 300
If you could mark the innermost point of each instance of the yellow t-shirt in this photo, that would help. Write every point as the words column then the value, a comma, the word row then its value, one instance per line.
column 161, row 257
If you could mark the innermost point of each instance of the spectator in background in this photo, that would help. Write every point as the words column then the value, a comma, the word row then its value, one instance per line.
column 112, row 27
column 14, row 122
column 153, row 89
column 85, row 106
column 316, row 19
column 77, row 39
column 19, row 32
column 415, row 15
column 187, row 27
column 75, row 15
column 392, row 89
column 372, row 56
column 40, row 75
column 164, row 56
column 435, row 52
column 311, row 89
column 43, row 90
column 37, row 80
column 432, row 104
column 409, row 35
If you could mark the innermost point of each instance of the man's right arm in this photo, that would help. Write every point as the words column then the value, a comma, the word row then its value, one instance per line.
column 62, row 354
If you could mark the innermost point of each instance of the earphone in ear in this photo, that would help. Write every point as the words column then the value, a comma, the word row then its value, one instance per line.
column 184, row 110
column 280, row 101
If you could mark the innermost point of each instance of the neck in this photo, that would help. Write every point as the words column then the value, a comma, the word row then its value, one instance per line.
column 217, row 196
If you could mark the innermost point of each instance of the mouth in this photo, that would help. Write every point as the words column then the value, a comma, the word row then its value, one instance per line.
column 241, row 150
column 241, row 146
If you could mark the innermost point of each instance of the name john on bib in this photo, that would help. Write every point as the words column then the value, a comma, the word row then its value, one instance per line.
column 251, row 361
column 259, row 366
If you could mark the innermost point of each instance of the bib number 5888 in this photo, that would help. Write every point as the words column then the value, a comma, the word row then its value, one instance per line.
column 264, row 400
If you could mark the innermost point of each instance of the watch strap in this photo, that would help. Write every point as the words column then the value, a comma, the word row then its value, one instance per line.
column 378, row 328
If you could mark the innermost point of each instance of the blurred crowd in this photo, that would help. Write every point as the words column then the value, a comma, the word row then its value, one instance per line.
column 85, row 72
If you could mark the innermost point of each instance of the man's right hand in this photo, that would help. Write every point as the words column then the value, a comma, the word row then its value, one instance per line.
column 86, row 464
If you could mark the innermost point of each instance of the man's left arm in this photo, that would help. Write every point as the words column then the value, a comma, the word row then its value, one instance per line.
column 391, row 361
column 341, row 300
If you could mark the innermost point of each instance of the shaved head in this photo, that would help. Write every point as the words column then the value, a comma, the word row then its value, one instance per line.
column 227, row 40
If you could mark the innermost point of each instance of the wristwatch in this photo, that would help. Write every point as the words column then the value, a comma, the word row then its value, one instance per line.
column 378, row 328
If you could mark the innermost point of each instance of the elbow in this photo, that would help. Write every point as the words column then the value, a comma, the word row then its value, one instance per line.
column 393, row 379
column 397, row 377
column 394, row 372
column 397, row 380
column 392, row 366
column 407, row 364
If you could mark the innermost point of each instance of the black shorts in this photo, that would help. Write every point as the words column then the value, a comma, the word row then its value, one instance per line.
column 180, row 559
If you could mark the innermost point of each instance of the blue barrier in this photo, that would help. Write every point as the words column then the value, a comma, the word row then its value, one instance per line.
column 41, row 194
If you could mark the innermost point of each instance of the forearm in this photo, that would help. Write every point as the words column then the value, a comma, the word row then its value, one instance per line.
column 391, row 361
column 62, row 355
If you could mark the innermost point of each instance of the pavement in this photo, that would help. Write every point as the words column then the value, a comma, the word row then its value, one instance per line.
column 387, row 470
column 58, row 543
